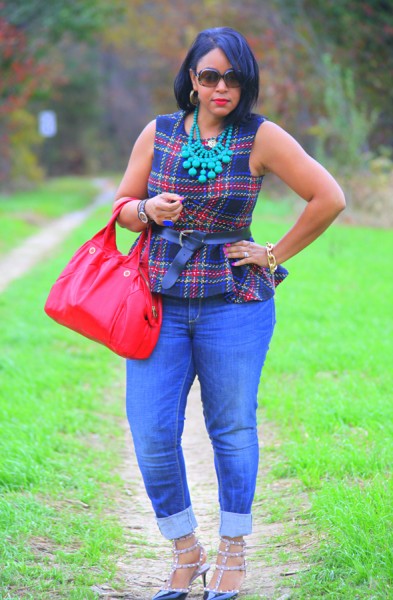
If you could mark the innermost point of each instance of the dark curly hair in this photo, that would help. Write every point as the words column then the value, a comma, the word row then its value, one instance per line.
column 239, row 54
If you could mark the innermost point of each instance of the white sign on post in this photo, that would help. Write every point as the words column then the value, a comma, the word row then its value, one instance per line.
column 47, row 123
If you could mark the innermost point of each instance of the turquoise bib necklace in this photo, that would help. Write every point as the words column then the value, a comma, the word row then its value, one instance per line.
column 209, row 160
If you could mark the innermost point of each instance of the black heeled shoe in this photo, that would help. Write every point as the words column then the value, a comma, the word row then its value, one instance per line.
column 215, row 594
column 170, row 593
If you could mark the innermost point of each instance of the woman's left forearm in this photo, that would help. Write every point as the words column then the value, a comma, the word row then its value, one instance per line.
column 319, row 213
column 313, row 221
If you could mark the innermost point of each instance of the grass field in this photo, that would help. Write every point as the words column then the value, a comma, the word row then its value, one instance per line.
column 61, row 401
column 326, row 387
column 23, row 213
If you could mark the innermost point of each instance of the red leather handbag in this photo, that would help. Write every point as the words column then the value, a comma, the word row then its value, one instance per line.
column 105, row 295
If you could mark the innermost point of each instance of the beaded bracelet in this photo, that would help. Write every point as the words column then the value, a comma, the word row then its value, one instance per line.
column 271, row 259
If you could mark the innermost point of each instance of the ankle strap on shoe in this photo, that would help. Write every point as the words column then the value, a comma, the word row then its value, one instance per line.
column 185, row 550
column 189, row 536
column 233, row 542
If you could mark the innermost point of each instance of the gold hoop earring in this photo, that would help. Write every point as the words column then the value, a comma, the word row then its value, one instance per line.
column 194, row 98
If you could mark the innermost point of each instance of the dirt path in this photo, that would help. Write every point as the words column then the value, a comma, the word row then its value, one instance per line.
column 38, row 246
column 145, row 566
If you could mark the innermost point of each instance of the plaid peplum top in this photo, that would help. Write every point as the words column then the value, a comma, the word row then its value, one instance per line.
column 223, row 204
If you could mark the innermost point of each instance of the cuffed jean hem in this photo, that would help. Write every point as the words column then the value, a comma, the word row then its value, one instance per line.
column 177, row 525
column 235, row 524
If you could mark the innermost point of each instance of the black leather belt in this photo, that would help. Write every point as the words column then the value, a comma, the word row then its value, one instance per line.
column 191, row 240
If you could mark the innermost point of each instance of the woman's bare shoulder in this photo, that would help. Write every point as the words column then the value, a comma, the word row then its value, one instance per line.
column 272, row 142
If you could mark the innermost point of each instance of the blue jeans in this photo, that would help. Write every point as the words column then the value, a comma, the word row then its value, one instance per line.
column 225, row 345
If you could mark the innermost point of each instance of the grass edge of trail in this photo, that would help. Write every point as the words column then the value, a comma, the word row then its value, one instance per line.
column 62, row 402
column 326, row 386
column 24, row 213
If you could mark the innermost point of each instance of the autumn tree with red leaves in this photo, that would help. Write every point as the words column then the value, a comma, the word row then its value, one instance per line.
column 32, row 64
column 20, row 76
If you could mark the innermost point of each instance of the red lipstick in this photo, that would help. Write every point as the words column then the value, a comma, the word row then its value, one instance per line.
column 220, row 101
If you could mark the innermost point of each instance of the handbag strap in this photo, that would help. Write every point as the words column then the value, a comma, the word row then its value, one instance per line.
column 108, row 233
column 144, row 256
column 109, row 230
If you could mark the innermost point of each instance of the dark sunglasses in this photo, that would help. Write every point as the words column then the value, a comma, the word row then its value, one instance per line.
column 211, row 77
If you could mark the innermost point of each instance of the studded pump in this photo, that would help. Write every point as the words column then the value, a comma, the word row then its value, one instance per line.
column 215, row 593
column 200, row 569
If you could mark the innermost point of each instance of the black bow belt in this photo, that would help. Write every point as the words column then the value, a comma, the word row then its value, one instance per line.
column 191, row 240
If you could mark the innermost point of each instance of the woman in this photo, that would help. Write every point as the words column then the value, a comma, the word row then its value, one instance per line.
column 195, row 176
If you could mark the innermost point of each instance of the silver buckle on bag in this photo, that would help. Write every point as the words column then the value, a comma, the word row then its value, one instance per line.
column 185, row 232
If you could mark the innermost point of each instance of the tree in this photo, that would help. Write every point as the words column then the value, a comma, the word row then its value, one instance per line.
column 20, row 78
column 47, row 22
column 30, row 34
column 359, row 36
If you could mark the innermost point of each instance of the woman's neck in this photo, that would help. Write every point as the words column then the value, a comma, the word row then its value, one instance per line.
column 209, row 125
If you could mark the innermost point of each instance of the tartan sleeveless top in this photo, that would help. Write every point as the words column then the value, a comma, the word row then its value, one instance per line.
column 222, row 204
